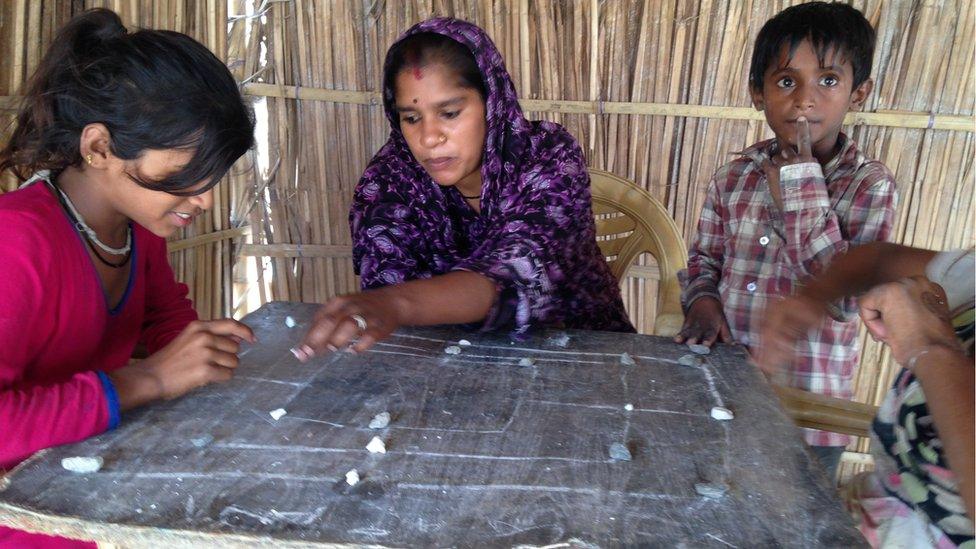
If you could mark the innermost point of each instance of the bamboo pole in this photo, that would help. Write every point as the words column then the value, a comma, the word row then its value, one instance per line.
column 895, row 119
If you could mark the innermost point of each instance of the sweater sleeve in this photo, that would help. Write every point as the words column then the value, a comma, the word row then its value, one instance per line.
column 168, row 311
column 35, row 416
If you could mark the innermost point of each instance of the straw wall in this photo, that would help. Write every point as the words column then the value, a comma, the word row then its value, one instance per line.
column 655, row 91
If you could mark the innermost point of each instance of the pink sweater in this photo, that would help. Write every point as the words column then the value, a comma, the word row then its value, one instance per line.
column 57, row 333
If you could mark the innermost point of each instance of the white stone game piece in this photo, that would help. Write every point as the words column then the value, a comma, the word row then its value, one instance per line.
column 452, row 350
column 560, row 339
column 83, row 464
column 201, row 441
column 376, row 446
column 627, row 360
column 722, row 414
column 690, row 360
column 380, row 420
column 711, row 490
column 352, row 477
column 464, row 343
column 699, row 349
column 526, row 361
column 619, row 452
column 629, row 407
column 277, row 414
column 290, row 322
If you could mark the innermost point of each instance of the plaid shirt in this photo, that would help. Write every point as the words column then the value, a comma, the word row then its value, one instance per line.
column 747, row 252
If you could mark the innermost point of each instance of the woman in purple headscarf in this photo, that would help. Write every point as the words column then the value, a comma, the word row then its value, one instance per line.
column 470, row 213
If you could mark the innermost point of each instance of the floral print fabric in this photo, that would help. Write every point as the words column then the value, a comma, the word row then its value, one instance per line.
column 535, row 234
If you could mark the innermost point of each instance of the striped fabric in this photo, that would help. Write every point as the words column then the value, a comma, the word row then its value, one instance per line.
column 747, row 252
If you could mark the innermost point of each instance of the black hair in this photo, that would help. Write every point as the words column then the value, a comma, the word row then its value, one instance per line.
column 425, row 48
column 152, row 89
column 827, row 26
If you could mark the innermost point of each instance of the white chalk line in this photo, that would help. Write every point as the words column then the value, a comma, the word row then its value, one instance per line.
column 278, row 381
column 716, row 538
column 539, row 488
column 180, row 475
column 616, row 408
column 322, row 450
column 545, row 351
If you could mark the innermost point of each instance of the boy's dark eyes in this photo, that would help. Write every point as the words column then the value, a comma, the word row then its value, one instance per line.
column 829, row 81
column 785, row 82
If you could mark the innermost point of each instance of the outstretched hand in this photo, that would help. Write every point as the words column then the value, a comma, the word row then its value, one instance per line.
column 786, row 322
column 356, row 321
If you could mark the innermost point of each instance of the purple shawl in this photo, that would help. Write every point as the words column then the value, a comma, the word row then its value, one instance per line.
column 535, row 235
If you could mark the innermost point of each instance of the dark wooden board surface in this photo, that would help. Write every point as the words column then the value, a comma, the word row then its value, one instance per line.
column 481, row 451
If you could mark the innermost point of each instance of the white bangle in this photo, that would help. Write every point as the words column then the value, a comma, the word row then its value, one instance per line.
column 910, row 363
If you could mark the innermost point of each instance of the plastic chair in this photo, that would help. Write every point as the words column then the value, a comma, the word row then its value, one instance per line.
column 836, row 415
column 629, row 222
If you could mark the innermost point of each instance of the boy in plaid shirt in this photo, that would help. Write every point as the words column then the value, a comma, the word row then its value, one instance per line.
column 778, row 214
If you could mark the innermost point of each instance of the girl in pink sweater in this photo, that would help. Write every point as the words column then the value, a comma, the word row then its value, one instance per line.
column 121, row 138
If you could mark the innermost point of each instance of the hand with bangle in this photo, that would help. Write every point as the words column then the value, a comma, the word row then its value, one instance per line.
column 911, row 316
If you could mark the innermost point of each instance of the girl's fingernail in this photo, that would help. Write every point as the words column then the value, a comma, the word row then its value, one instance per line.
column 332, row 348
column 299, row 354
column 308, row 351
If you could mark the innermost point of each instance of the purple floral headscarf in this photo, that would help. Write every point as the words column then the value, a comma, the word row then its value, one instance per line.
column 535, row 235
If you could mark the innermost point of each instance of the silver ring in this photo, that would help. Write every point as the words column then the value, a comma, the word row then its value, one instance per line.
column 360, row 321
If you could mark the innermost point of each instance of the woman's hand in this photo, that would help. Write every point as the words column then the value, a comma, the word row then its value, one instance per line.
column 705, row 323
column 203, row 353
column 785, row 322
column 365, row 318
column 908, row 315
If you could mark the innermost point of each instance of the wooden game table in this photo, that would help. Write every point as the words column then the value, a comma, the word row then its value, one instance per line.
column 506, row 443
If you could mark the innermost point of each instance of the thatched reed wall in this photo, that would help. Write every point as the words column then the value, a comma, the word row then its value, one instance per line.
column 654, row 90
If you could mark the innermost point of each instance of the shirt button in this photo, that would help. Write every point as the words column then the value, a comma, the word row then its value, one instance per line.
column 763, row 240
column 751, row 286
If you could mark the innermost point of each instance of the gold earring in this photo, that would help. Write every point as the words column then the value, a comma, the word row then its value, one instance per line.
column 88, row 158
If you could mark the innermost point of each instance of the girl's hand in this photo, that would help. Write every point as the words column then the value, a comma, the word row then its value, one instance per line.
column 203, row 353
column 369, row 316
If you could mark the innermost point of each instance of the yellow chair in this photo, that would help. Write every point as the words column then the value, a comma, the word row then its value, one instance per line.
column 629, row 222
column 836, row 415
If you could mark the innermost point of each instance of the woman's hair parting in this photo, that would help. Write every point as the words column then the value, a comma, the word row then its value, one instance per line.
column 833, row 26
column 152, row 89
column 427, row 48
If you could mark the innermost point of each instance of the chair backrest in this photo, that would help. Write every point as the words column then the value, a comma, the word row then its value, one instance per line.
column 629, row 222
column 832, row 414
